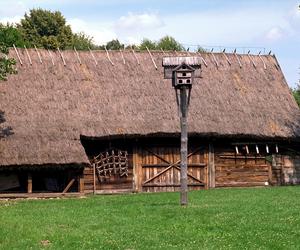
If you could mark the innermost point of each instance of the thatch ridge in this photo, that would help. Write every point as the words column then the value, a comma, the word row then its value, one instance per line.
column 49, row 106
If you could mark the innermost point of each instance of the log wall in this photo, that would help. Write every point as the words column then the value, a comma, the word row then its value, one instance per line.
column 156, row 168
column 286, row 170
column 238, row 170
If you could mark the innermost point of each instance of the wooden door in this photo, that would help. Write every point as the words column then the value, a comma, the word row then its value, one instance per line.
column 160, row 169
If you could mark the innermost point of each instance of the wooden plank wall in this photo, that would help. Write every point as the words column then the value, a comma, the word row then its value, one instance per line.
column 109, row 183
column 240, row 170
column 287, row 170
column 152, row 161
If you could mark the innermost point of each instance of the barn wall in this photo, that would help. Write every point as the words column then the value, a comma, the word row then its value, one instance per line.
column 240, row 170
column 157, row 168
column 113, row 183
column 286, row 169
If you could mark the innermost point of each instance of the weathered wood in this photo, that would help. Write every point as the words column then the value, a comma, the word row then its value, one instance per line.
column 189, row 175
column 161, row 165
column 38, row 195
column 117, row 191
column 18, row 54
column 211, row 166
column 184, row 145
column 170, row 166
column 69, row 185
column 240, row 157
column 29, row 183
column 94, row 178
column 81, row 184
column 171, row 185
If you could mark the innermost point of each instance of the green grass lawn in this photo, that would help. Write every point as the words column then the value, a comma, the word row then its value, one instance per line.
column 253, row 218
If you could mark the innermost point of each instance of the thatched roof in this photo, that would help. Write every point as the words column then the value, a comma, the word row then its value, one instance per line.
column 47, row 105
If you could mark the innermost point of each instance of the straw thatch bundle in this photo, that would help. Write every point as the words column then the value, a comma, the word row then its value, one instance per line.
column 49, row 105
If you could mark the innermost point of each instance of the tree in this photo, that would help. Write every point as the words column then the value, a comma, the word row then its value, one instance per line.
column 296, row 94
column 201, row 50
column 82, row 42
column 147, row 43
column 10, row 35
column 45, row 28
column 169, row 43
column 7, row 65
column 114, row 45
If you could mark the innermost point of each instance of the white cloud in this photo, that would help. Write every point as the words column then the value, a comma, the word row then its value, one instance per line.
column 14, row 19
column 139, row 21
column 289, row 27
column 275, row 33
column 100, row 31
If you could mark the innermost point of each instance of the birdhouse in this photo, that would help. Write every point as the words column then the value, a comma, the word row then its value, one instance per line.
column 183, row 75
column 182, row 70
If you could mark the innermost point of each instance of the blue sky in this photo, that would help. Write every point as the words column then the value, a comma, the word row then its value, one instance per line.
column 273, row 25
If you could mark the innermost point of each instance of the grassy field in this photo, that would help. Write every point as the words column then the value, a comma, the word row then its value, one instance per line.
column 254, row 218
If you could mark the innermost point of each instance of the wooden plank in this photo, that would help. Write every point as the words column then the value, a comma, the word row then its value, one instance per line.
column 163, row 165
column 240, row 157
column 94, row 179
column 81, row 184
column 117, row 191
column 170, row 166
column 240, row 184
column 137, row 175
column 69, row 185
column 171, row 185
column 211, row 166
column 29, row 183
column 38, row 195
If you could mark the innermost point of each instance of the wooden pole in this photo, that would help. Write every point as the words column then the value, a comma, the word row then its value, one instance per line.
column 81, row 184
column 29, row 183
column 211, row 166
column 94, row 178
column 183, row 150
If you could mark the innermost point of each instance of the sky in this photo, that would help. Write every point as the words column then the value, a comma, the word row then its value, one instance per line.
column 258, row 25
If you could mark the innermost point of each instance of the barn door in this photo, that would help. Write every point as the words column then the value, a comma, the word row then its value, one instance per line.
column 160, row 169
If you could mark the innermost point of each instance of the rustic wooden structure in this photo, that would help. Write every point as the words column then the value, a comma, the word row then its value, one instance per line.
column 59, row 112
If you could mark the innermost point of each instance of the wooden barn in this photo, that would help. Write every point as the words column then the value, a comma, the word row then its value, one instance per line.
column 107, row 121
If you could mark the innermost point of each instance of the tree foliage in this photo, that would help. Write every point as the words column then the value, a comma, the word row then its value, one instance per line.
column 7, row 65
column 10, row 34
column 114, row 45
column 147, row 43
column 296, row 94
column 82, row 41
column 47, row 29
column 169, row 43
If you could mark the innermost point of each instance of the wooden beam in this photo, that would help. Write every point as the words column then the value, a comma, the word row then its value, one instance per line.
column 170, row 166
column 29, row 183
column 137, row 170
column 94, row 178
column 162, row 165
column 81, row 184
column 172, row 185
column 69, row 185
column 211, row 166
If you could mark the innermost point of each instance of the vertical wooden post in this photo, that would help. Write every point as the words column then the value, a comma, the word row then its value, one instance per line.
column 137, row 170
column 29, row 183
column 94, row 178
column 81, row 184
column 184, row 148
column 211, row 166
